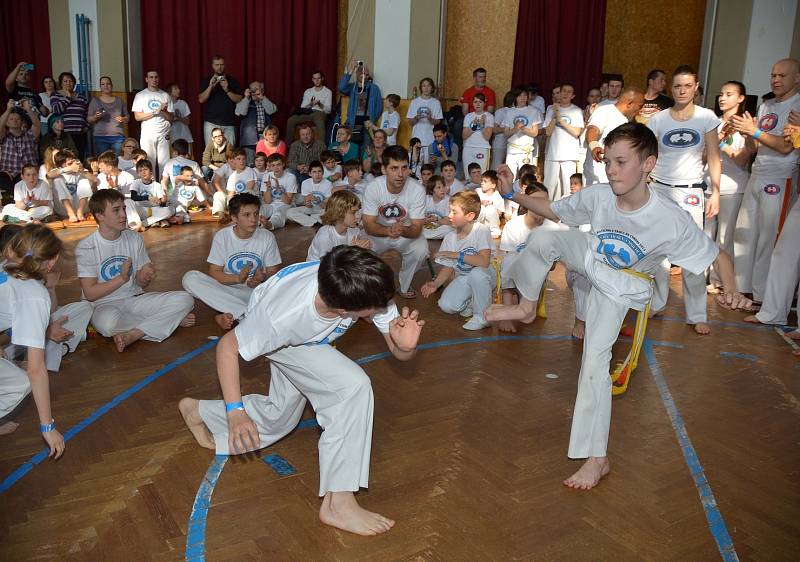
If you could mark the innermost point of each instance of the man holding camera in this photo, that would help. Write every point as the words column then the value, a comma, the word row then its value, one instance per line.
column 366, row 100
column 220, row 94
column 18, row 89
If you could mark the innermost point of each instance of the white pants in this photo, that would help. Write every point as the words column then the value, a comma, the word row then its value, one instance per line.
column 222, row 298
column 593, row 172
column 720, row 228
column 144, row 212
column 581, row 287
column 473, row 289
column 305, row 216
column 490, row 216
column 757, row 231
column 276, row 213
column 27, row 215
column 78, row 315
column 157, row 149
column 515, row 159
column 695, row 298
column 413, row 252
column 437, row 233
column 592, row 415
column 341, row 395
column 475, row 154
column 498, row 151
column 155, row 314
column 556, row 177
column 61, row 194
column 228, row 130
column 14, row 386
column 219, row 203
column 784, row 272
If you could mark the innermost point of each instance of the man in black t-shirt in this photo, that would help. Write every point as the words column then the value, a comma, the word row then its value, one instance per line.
column 18, row 88
column 220, row 94
column 654, row 98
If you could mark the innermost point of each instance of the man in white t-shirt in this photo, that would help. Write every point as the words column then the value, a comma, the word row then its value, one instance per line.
column 242, row 257
column 315, row 107
column 394, row 215
column 293, row 318
column 773, row 180
column 605, row 119
column 152, row 107
column 563, row 126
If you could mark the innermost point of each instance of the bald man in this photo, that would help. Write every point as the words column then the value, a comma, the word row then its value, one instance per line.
column 605, row 119
column 773, row 182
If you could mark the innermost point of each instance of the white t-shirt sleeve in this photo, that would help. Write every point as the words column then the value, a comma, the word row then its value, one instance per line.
column 272, row 255
column 694, row 250
column 31, row 316
column 382, row 319
column 217, row 255
column 576, row 209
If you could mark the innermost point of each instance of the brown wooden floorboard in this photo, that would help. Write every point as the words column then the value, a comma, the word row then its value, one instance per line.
column 469, row 447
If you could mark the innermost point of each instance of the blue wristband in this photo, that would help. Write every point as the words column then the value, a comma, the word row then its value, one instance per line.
column 461, row 258
column 234, row 406
column 46, row 428
column 757, row 133
column 509, row 195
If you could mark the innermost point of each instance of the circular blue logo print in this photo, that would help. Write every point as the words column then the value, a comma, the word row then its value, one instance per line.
column 240, row 187
column 423, row 112
column 240, row 260
column 681, row 138
column 618, row 249
column 112, row 267
column 692, row 200
column 278, row 191
column 468, row 251
column 317, row 197
column 521, row 247
column 767, row 122
column 521, row 119
column 72, row 187
column 772, row 189
column 186, row 194
column 475, row 125
column 392, row 212
column 385, row 125
column 153, row 104
column 176, row 170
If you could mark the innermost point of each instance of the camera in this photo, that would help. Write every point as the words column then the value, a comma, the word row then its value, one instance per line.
column 360, row 63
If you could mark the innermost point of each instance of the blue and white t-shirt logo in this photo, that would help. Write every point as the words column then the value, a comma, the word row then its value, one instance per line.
column 681, row 138
column 476, row 125
column 772, row 189
column 72, row 187
column 112, row 267
column 278, row 191
column 317, row 197
column 767, row 122
column 521, row 247
column 468, row 251
column 153, row 104
column 337, row 332
column 240, row 260
column 521, row 119
column 240, row 187
column 176, row 169
column 385, row 125
column 186, row 194
column 423, row 112
column 392, row 212
column 619, row 249
column 3, row 277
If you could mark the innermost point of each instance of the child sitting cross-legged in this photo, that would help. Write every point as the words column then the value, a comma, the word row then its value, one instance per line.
column 340, row 219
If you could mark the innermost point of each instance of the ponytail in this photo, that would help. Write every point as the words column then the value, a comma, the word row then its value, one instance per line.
column 29, row 251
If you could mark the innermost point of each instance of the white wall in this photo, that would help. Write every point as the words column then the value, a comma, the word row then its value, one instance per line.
column 392, row 45
column 769, row 39
column 89, row 9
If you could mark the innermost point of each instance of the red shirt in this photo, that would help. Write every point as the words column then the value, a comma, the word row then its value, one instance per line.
column 469, row 93
column 262, row 147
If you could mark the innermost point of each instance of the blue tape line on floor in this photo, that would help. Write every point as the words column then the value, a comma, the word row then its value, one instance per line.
column 196, row 534
column 280, row 465
column 736, row 355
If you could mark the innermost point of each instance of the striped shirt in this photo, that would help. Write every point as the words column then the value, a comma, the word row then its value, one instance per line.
column 74, row 111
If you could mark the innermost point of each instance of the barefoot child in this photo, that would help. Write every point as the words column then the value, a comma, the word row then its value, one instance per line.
column 148, row 196
column 33, row 200
column 242, row 257
column 186, row 193
column 465, row 255
column 25, row 308
column 292, row 319
column 315, row 190
column 278, row 189
column 634, row 227
column 437, row 210
column 114, row 270
column 72, row 187
column 340, row 219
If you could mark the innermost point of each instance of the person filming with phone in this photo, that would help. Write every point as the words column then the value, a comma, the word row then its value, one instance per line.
column 219, row 93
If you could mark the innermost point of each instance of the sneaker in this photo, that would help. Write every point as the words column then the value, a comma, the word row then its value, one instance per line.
column 477, row 322
column 467, row 312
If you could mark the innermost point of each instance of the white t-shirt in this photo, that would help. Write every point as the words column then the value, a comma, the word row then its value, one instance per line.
column 152, row 189
column 455, row 187
column 439, row 210
column 479, row 238
column 520, row 142
column 733, row 178
column 516, row 233
column 772, row 118
column 326, row 239
column 25, row 308
column 538, row 103
column 102, row 259
column 237, row 182
column 287, row 183
column 72, row 181
column 223, row 172
column 147, row 101
column 172, row 168
column 425, row 110
column 281, row 313
column 328, row 173
column 622, row 239
column 40, row 192
column 126, row 165
column 180, row 130
column 499, row 119
column 234, row 254
column 473, row 122
column 680, row 145
column 123, row 182
column 320, row 191
column 494, row 197
column 561, row 146
column 606, row 118
column 184, row 194
column 323, row 95
column 390, row 121
column 390, row 208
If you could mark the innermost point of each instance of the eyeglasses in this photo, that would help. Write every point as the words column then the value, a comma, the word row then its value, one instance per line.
column 217, row 136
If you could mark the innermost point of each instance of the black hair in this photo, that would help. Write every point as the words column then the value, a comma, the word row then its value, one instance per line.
column 242, row 200
column 653, row 74
column 315, row 164
column 352, row 279
column 102, row 199
column 181, row 146
column 396, row 153
column 440, row 127
column 428, row 168
column 144, row 163
column 641, row 138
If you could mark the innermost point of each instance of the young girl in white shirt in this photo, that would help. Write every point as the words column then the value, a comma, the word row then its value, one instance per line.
column 340, row 225
column 424, row 112
column 437, row 209
column 476, row 133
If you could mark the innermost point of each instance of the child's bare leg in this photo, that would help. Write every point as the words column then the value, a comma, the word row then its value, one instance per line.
column 190, row 410
column 125, row 339
column 224, row 320
column 578, row 329
column 81, row 212
column 590, row 474
column 509, row 299
column 70, row 210
column 702, row 328
column 7, row 427
column 525, row 311
column 188, row 320
column 341, row 510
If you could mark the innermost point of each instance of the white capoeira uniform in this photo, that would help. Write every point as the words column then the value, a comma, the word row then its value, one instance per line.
column 769, row 194
column 498, row 140
column 282, row 323
column 309, row 216
column 327, row 238
column 437, row 210
column 278, row 187
column 562, row 152
column 24, row 194
column 135, row 214
column 679, row 174
column 233, row 254
column 154, row 138
column 129, row 307
column 606, row 118
column 492, row 208
column 784, row 272
column 389, row 208
column 471, row 286
column 146, row 211
column 25, row 308
column 70, row 187
column 476, row 148
column 184, row 196
column 617, row 241
column 520, row 147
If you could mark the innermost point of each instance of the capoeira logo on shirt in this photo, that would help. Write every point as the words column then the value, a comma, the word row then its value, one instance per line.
column 468, row 251
column 317, row 198
column 619, row 249
column 240, row 260
column 186, row 194
column 278, row 191
column 476, row 125
column 337, row 332
column 521, row 119
column 72, row 187
column 111, row 267
column 154, row 105
column 176, row 169
column 767, row 122
column 692, row 200
column 772, row 189
column 392, row 212
column 423, row 112
column 521, row 247
column 681, row 138
column 240, row 187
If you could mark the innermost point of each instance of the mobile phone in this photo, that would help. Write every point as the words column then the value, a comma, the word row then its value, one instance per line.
column 29, row 67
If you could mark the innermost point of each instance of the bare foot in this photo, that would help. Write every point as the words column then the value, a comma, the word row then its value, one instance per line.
column 73, row 218
column 175, row 220
column 590, row 474
column 137, row 227
column 675, row 270
column 341, row 510
column 712, row 289
column 224, row 320
column 525, row 312
column 188, row 321
column 8, row 427
column 507, row 326
column 189, row 408
column 702, row 328
column 123, row 340
column 752, row 319
column 794, row 335
column 578, row 329
column 81, row 217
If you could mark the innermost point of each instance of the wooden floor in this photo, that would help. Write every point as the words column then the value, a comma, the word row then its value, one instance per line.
column 469, row 447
